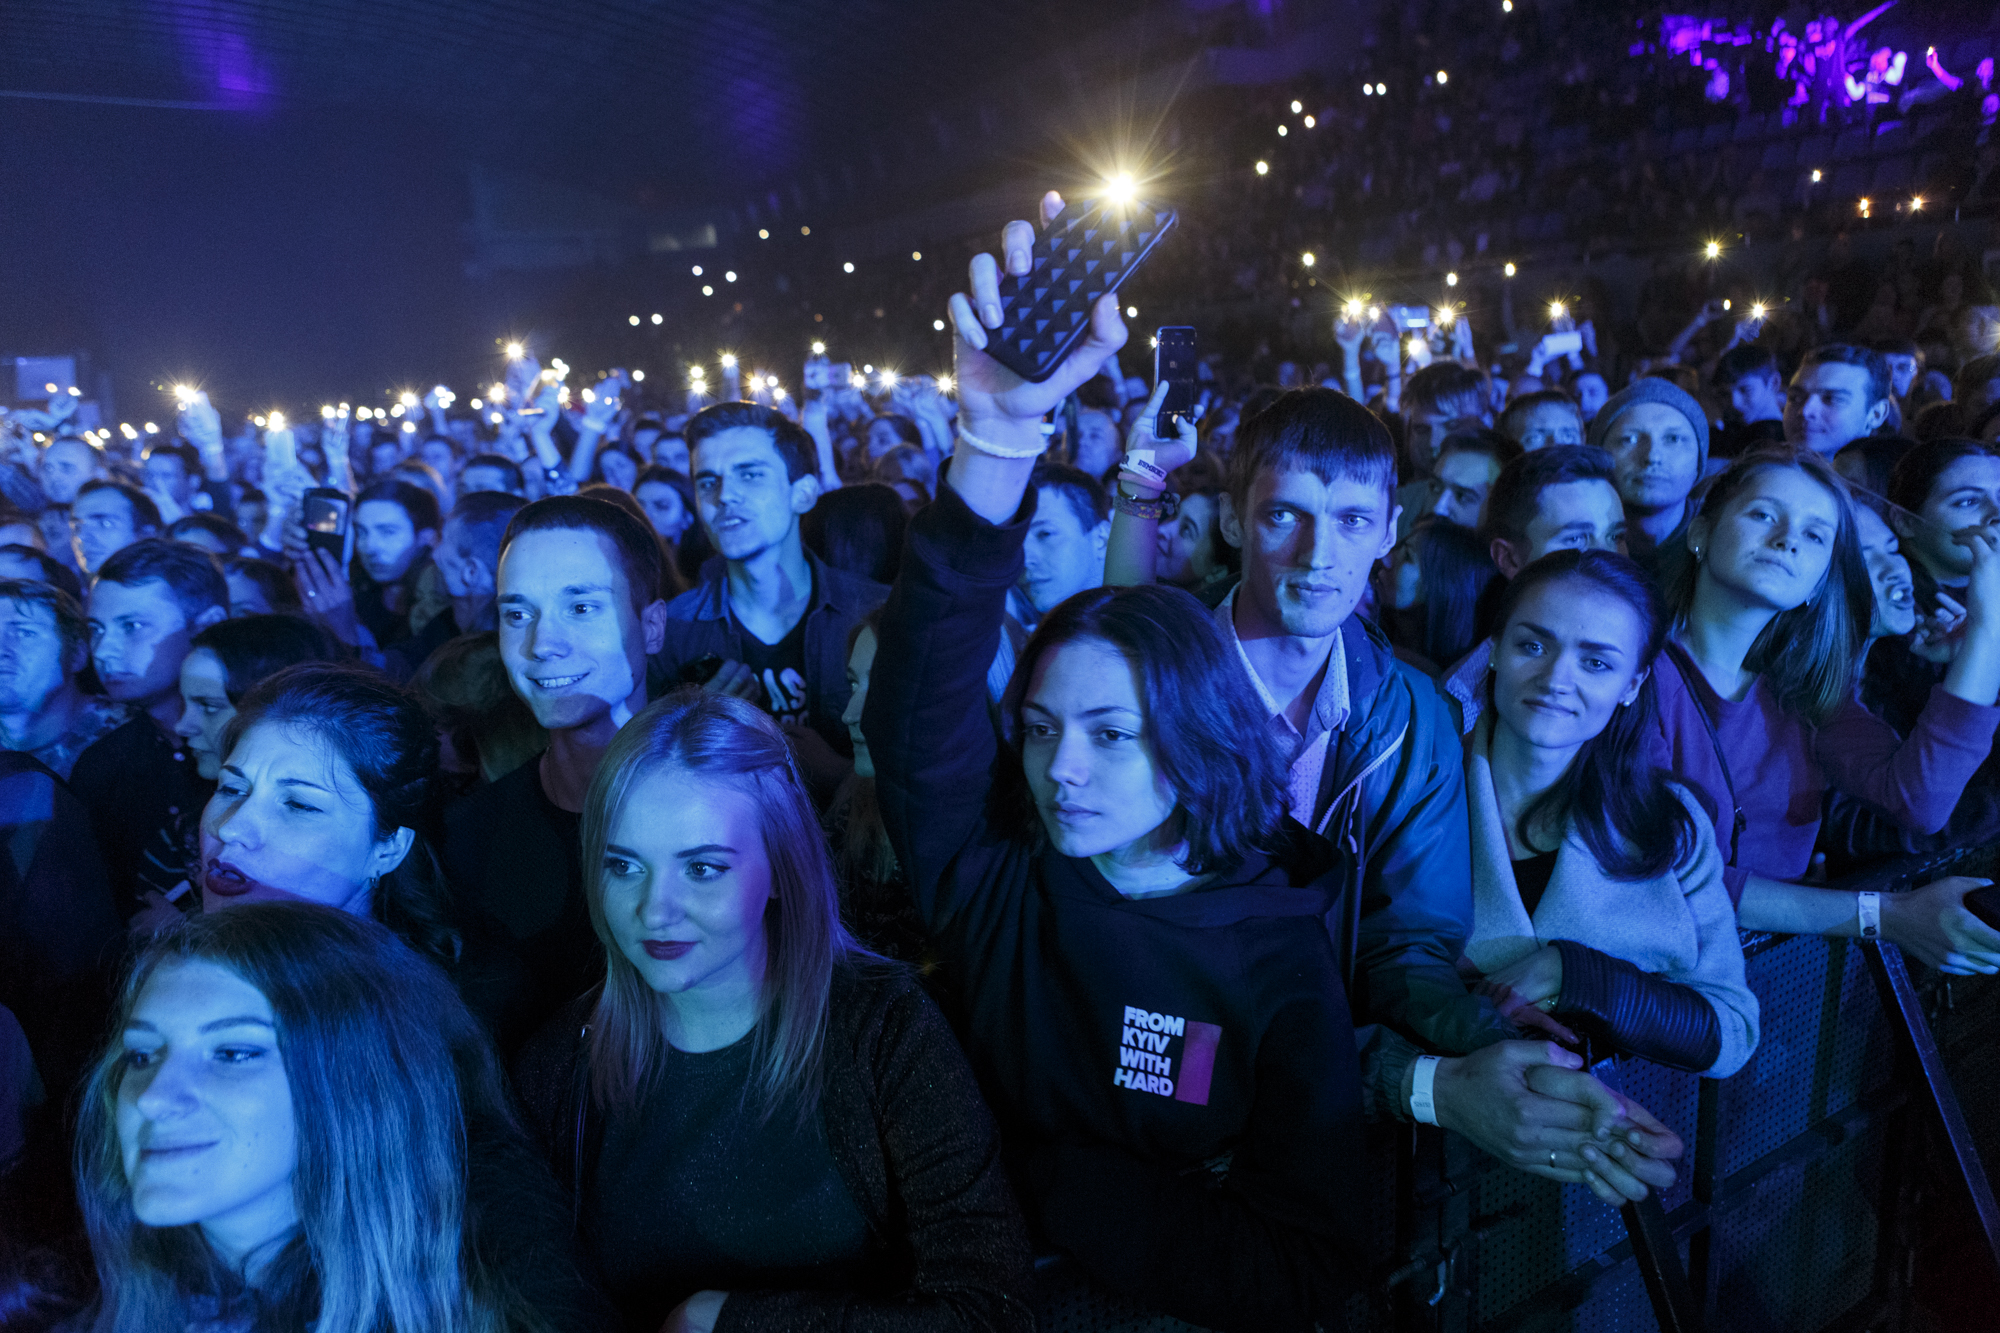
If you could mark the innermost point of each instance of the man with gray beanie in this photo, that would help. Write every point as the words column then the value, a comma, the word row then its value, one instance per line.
column 1657, row 436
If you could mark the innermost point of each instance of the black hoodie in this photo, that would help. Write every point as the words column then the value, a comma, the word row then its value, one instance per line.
column 1175, row 1077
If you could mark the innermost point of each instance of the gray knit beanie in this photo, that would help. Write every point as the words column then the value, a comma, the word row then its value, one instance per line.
column 1652, row 390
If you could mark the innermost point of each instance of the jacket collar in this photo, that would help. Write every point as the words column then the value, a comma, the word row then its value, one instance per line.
column 831, row 588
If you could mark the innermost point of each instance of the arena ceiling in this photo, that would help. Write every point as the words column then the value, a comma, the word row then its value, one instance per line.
column 689, row 99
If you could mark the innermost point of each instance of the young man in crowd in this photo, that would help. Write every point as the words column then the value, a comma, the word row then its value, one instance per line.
column 139, row 782
column 579, row 608
column 174, row 470
column 467, row 556
column 1839, row 394
column 1559, row 499
column 1436, row 397
column 491, row 472
column 44, row 643
column 1905, row 360
column 1467, row 465
column 1065, row 551
column 1540, row 419
column 1376, row 768
column 1746, row 379
column 63, row 467
column 107, row 517
column 774, row 615
column 1657, row 436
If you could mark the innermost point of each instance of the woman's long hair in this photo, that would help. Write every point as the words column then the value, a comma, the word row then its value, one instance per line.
column 385, row 1066
column 724, row 740
column 1910, row 486
column 1453, row 571
column 387, row 740
column 1618, row 800
column 1210, row 736
column 1807, row 653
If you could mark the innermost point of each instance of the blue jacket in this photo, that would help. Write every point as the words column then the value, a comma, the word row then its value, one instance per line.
column 699, row 624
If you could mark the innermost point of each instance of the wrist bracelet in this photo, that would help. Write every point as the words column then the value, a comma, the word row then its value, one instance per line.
column 971, row 441
column 1422, row 1107
column 1868, row 908
column 1139, row 465
column 1166, row 506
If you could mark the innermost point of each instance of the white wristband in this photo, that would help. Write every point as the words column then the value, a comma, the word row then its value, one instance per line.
column 971, row 441
column 1422, row 1108
column 1868, row 908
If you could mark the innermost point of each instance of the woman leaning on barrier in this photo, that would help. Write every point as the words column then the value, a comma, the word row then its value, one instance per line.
column 1597, row 891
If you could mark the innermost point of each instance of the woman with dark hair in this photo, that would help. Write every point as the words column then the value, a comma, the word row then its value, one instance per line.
column 1149, row 983
column 300, row 1126
column 1429, row 591
column 1869, row 461
column 1946, row 496
column 485, row 729
column 228, row 660
column 321, row 795
column 1597, row 891
column 858, row 528
column 760, row 1122
column 668, row 499
column 1770, row 604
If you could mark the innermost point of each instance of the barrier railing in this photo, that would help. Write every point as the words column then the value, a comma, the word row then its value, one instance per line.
column 1796, row 1205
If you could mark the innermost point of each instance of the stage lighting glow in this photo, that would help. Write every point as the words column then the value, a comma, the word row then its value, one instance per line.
column 515, row 351
column 183, row 392
column 1916, row 203
column 1263, row 168
column 407, row 399
column 326, row 411
column 889, row 379
column 857, row 380
column 1120, row 189
column 1713, row 249
column 819, row 349
column 1443, row 77
column 1443, row 316
column 1307, row 259
column 946, row 384
column 1352, row 308
column 848, row 267
column 1451, row 279
column 1509, row 270
column 1557, row 310
column 729, row 360
column 1297, row 106
column 1816, row 175
column 277, row 422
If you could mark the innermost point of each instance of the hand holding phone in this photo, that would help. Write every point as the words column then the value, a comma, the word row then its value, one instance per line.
column 1174, row 362
column 325, row 515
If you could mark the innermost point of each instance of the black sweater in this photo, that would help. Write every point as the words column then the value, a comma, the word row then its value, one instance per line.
column 910, row 1138
column 1176, row 1077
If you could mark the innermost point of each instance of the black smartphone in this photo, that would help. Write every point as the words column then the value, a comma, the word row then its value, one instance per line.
column 1085, row 252
column 1174, row 366
column 326, row 520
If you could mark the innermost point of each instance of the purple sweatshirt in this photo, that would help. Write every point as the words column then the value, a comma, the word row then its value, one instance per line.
column 1782, row 766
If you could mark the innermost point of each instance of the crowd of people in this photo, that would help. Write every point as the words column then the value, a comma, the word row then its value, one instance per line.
column 942, row 853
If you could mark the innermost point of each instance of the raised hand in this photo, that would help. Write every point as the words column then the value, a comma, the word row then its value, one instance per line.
column 987, row 390
column 1165, row 455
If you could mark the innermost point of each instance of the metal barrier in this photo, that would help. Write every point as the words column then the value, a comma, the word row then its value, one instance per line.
column 1796, row 1205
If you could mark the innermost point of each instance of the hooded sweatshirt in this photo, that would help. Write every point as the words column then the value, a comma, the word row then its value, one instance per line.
column 1175, row 1077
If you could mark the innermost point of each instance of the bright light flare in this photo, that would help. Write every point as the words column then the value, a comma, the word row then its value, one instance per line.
column 184, row 393
column 407, row 399
column 515, row 351
column 1297, row 106
column 1443, row 316
column 729, row 360
column 1121, row 189
column 819, row 349
column 1352, row 308
column 1509, row 270
column 1713, row 249
column 1307, row 259
column 1557, row 310
column 277, row 420
column 889, row 379
column 946, row 383
column 1263, row 168
column 1451, row 279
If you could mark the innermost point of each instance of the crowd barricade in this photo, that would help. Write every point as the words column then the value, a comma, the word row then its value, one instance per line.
column 1813, row 1177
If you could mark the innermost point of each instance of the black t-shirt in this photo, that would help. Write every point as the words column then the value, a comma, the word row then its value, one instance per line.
column 516, row 857
column 1531, row 878
column 695, row 1192
column 781, row 670
column 145, row 798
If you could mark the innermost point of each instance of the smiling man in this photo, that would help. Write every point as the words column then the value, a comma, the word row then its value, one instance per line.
column 773, row 614
column 579, row 606
column 139, row 781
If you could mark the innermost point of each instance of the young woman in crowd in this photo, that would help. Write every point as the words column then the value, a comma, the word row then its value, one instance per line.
column 762, row 1124
column 1147, row 978
column 1597, row 890
column 668, row 498
column 259, row 588
column 320, row 797
column 225, row 662
column 1428, row 591
column 298, row 1125
column 1771, row 602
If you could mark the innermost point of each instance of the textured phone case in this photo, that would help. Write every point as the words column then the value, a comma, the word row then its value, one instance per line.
column 1084, row 253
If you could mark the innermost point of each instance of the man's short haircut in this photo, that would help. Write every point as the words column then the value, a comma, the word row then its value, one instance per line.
column 1880, row 386
column 145, row 514
column 1491, row 443
column 1744, row 362
column 233, row 538
column 1516, row 496
column 1514, row 419
column 416, row 501
column 54, row 572
column 638, row 550
column 189, row 456
column 1316, row 430
column 67, row 611
column 1447, row 387
column 280, row 590
column 499, row 463
column 191, row 574
column 796, row 447
column 482, row 518
column 1083, row 493
column 1968, row 387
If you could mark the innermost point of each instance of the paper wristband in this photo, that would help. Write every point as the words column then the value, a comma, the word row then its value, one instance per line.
column 1139, row 462
column 1868, row 907
column 1422, row 1107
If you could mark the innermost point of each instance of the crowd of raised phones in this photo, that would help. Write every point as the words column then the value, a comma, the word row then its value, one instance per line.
column 939, row 859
